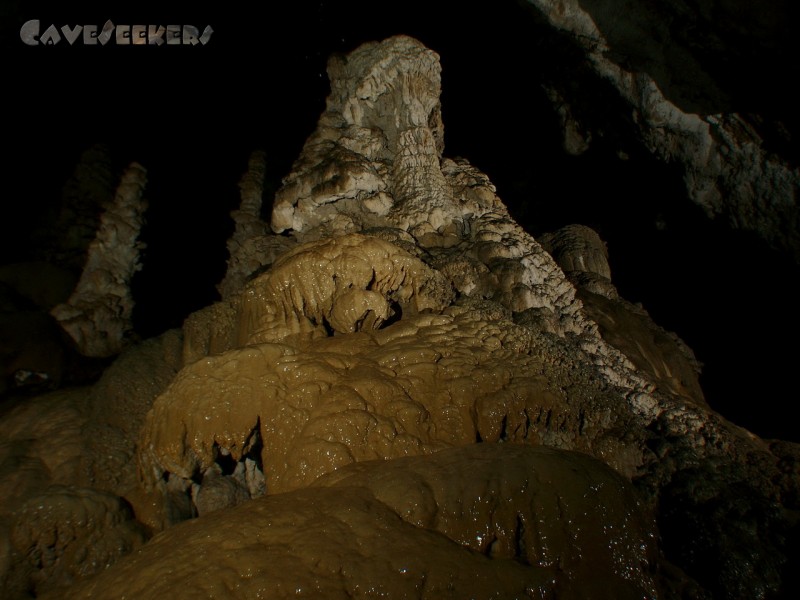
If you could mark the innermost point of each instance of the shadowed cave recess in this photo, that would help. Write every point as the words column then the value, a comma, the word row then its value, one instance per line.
column 564, row 230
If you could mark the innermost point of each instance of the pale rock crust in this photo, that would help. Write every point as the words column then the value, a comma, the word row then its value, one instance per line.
column 375, row 161
column 376, row 150
column 98, row 313
column 726, row 168
column 220, row 491
column 658, row 353
column 252, row 247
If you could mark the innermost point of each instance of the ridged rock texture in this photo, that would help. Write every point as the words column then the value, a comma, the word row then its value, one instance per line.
column 252, row 245
column 86, row 194
column 400, row 393
column 671, row 64
column 485, row 521
column 98, row 313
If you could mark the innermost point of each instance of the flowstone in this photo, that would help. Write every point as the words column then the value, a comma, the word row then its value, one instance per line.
column 481, row 521
column 402, row 393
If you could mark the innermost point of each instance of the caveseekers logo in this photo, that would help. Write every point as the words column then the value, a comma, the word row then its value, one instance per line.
column 122, row 35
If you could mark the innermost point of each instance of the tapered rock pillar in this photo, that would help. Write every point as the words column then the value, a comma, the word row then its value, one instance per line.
column 98, row 314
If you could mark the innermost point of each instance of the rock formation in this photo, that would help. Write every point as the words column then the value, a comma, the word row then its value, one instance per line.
column 85, row 196
column 66, row 472
column 402, row 393
column 583, row 256
column 367, row 168
column 681, row 110
column 661, row 354
column 485, row 521
column 252, row 246
column 98, row 314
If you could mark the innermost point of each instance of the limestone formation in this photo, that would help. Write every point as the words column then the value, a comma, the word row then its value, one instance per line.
column 583, row 256
column 98, row 314
column 375, row 161
column 343, row 285
column 68, row 473
column 306, row 370
column 484, row 521
column 415, row 399
column 423, row 384
column 69, row 533
column 85, row 195
column 727, row 168
column 252, row 248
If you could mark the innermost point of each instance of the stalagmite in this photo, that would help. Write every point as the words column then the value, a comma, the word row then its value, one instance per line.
column 400, row 393
column 98, row 313
column 251, row 247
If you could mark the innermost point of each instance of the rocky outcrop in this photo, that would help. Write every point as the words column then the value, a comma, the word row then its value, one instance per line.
column 415, row 399
column 583, row 256
column 681, row 104
column 252, row 247
column 68, row 481
column 430, row 381
column 318, row 363
column 248, row 226
column 69, row 533
column 375, row 161
column 98, row 313
column 376, row 150
column 85, row 196
column 658, row 353
column 338, row 285
column 487, row 520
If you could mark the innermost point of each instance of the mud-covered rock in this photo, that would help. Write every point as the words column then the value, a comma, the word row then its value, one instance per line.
column 483, row 521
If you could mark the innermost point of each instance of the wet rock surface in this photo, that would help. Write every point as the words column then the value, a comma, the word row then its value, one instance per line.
column 401, row 392
column 67, row 534
column 67, row 473
column 484, row 521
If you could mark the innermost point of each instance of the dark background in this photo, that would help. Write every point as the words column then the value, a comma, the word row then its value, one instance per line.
column 192, row 115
